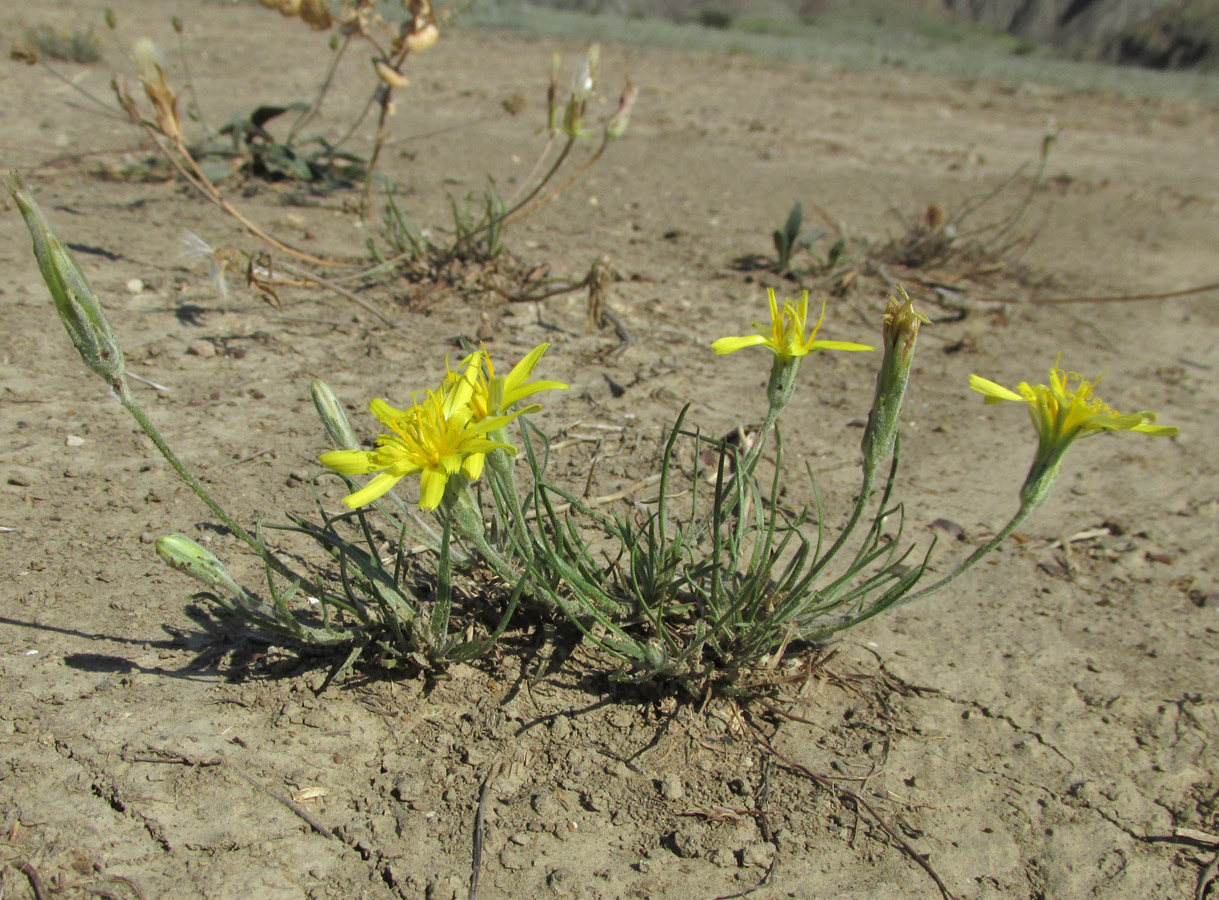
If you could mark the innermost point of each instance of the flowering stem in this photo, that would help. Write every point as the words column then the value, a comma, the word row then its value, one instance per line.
column 861, row 501
column 975, row 557
column 501, row 465
column 127, row 399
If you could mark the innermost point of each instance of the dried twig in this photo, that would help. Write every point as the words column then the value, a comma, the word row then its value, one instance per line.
column 857, row 799
column 480, row 828
column 155, row 755
column 40, row 891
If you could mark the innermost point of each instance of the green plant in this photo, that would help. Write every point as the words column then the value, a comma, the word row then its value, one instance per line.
column 706, row 602
column 789, row 240
column 246, row 143
column 938, row 237
column 66, row 45
column 251, row 147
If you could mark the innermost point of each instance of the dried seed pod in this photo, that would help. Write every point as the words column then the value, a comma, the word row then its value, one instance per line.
column 390, row 75
column 423, row 38
column 316, row 14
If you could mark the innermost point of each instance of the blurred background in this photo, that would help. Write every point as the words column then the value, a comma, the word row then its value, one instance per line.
column 1158, row 34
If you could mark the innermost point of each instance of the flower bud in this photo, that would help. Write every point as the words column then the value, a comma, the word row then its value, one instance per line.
column 616, row 127
column 586, row 74
column 183, row 554
column 331, row 413
column 581, row 89
column 900, row 330
column 78, row 307
column 656, row 657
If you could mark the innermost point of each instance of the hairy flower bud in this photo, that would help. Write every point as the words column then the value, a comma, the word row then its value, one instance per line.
column 183, row 554
column 900, row 331
column 78, row 306
column 331, row 413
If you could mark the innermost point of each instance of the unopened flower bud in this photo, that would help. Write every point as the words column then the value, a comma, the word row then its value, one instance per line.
column 389, row 75
column 900, row 330
column 655, row 657
column 78, row 306
column 330, row 411
column 586, row 74
column 423, row 38
column 112, row 20
column 581, row 89
column 616, row 127
column 183, row 554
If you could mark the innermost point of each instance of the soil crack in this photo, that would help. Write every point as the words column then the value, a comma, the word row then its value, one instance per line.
column 106, row 790
column 1011, row 723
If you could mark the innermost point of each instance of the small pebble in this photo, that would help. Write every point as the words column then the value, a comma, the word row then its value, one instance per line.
column 74, row 440
column 135, row 286
column 758, row 855
column 671, row 787
column 201, row 348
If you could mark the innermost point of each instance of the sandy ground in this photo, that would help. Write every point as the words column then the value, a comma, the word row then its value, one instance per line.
column 1038, row 730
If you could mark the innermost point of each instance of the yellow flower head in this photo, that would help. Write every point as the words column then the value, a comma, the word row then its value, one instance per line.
column 437, row 438
column 493, row 395
column 787, row 327
column 1066, row 409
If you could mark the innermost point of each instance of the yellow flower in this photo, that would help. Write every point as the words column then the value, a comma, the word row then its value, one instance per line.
column 1066, row 409
column 787, row 326
column 437, row 438
column 494, row 395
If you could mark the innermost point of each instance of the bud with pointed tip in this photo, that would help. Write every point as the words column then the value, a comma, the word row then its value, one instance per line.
column 183, row 554
column 330, row 411
column 78, row 307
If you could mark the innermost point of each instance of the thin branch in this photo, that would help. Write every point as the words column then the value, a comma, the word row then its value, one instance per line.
column 848, row 794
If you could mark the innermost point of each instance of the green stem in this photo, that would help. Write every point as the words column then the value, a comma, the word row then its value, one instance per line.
column 505, row 216
column 502, row 466
column 132, row 405
column 975, row 557
column 861, row 502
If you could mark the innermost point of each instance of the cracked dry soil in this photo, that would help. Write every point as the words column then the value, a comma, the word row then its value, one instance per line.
column 1032, row 730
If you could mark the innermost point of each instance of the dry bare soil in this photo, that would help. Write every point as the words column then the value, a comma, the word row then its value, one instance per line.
column 1040, row 729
